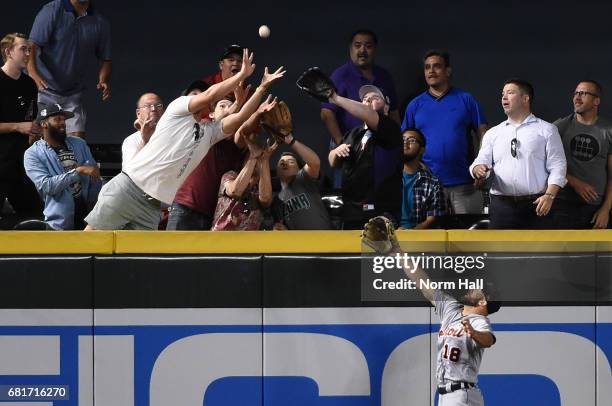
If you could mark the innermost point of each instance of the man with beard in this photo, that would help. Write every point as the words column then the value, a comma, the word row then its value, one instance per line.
column 67, row 36
column 423, row 195
column 370, row 158
column 587, row 141
column 348, row 79
column 149, row 109
column 63, row 171
column 17, row 130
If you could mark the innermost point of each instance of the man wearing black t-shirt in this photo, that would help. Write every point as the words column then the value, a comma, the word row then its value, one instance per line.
column 370, row 157
column 18, row 95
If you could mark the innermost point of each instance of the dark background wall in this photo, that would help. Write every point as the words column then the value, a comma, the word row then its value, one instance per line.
column 161, row 46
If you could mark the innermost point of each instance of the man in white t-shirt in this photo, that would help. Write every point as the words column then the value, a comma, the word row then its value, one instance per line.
column 132, row 199
column 149, row 109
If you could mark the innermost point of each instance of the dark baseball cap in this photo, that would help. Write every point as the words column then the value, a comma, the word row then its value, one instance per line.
column 196, row 84
column 53, row 110
column 232, row 49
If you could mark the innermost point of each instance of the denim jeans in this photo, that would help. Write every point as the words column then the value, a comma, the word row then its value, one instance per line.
column 183, row 218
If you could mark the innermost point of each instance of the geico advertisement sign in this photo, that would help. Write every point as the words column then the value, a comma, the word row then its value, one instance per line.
column 340, row 356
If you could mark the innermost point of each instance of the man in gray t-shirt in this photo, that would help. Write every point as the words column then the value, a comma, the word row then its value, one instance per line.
column 298, row 205
column 586, row 200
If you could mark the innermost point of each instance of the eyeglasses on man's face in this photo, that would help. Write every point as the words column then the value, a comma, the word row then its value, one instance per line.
column 583, row 93
column 411, row 140
column 154, row 106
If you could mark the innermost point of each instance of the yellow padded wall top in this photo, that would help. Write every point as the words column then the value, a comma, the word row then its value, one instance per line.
column 261, row 242
column 56, row 242
column 296, row 242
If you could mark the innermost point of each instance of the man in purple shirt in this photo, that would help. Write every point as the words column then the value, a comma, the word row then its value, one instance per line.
column 349, row 78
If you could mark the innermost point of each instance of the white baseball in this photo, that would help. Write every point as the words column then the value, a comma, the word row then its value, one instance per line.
column 264, row 31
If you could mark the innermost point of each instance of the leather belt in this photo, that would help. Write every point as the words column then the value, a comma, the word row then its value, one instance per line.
column 453, row 386
column 518, row 198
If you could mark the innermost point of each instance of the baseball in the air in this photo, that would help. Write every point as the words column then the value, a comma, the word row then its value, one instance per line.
column 264, row 31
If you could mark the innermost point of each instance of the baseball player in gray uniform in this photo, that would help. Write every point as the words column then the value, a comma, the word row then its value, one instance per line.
column 465, row 330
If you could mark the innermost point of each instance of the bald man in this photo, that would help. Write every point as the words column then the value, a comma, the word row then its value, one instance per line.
column 149, row 109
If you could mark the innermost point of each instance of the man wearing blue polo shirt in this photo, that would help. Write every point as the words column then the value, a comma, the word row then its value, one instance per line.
column 349, row 78
column 447, row 116
column 67, row 35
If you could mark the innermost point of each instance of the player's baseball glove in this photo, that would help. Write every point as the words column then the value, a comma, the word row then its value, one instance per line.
column 277, row 122
column 379, row 234
column 317, row 84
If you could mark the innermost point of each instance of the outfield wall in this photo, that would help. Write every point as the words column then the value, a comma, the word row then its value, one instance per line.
column 131, row 318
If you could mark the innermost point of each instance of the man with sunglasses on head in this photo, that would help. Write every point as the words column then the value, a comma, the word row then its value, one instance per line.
column 370, row 158
column 149, row 109
column 587, row 138
column 525, row 157
column 422, row 194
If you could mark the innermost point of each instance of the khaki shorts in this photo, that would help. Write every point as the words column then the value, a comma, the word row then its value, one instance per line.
column 124, row 206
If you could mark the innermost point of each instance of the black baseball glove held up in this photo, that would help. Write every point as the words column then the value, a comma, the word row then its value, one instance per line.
column 317, row 84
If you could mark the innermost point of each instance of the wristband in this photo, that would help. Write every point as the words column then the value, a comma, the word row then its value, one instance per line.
column 293, row 140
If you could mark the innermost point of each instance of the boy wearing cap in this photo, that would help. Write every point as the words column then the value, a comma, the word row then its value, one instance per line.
column 298, row 205
column 370, row 157
column 63, row 170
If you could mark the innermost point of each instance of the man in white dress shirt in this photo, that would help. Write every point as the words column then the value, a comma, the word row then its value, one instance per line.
column 524, row 154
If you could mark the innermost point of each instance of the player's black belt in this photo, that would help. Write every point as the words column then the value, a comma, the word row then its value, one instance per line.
column 453, row 386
